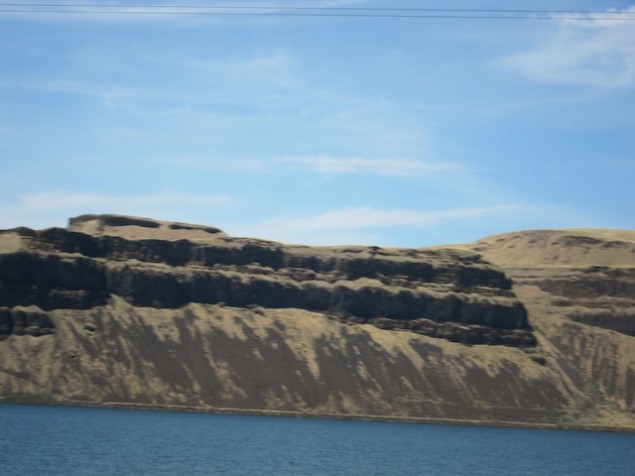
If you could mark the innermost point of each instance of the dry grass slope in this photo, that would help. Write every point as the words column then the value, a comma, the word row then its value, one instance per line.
column 130, row 348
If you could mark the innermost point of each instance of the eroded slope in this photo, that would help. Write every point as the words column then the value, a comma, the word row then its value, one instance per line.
column 579, row 289
column 130, row 311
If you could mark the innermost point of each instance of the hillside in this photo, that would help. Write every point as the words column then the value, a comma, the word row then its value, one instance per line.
column 579, row 289
column 131, row 311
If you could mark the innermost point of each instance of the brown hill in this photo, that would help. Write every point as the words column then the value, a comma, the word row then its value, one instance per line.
column 135, row 228
column 130, row 311
column 579, row 289
column 574, row 247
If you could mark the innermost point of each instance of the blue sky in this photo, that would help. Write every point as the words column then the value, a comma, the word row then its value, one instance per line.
column 331, row 130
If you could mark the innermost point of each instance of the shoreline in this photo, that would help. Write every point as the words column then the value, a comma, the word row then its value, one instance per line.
column 332, row 416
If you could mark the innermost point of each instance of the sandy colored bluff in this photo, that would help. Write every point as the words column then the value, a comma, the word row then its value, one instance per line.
column 530, row 328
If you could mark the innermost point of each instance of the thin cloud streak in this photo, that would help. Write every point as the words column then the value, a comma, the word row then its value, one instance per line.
column 62, row 200
column 275, row 68
column 454, row 174
column 584, row 52
column 403, row 227
column 360, row 218
column 384, row 167
column 355, row 218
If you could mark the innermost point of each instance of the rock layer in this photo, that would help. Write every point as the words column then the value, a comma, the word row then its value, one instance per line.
column 435, row 292
column 579, row 288
column 132, row 311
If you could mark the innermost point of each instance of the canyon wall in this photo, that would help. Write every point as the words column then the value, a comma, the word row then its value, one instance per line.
column 129, row 311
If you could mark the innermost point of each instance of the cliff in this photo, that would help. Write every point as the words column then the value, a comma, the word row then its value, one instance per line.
column 132, row 311
column 579, row 289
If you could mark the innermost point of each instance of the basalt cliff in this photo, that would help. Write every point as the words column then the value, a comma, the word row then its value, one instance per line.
column 526, row 328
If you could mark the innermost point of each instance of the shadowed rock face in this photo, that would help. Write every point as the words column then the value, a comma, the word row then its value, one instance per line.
column 443, row 293
column 127, row 310
column 24, row 321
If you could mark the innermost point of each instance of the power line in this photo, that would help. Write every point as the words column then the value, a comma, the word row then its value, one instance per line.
column 267, row 7
column 243, row 10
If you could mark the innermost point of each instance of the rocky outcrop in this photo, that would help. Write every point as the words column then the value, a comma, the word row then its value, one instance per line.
column 24, row 321
column 134, row 311
column 449, row 293
column 135, row 228
column 579, row 289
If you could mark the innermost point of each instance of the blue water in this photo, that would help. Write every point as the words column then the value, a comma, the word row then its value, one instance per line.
column 43, row 440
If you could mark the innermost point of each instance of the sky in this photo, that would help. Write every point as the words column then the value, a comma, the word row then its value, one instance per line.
column 331, row 130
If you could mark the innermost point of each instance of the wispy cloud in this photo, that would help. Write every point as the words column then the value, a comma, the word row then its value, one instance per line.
column 63, row 200
column 187, row 82
column 276, row 68
column 362, row 224
column 360, row 165
column 111, row 95
column 326, row 164
column 410, row 226
column 212, row 162
column 588, row 51
column 355, row 218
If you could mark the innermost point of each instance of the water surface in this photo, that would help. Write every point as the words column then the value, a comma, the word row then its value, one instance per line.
column 49, row 440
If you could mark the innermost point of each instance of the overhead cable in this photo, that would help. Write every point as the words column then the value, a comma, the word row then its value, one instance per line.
column 297, row 11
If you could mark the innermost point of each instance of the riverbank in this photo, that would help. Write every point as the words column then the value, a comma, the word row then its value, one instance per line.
column 341, row 416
